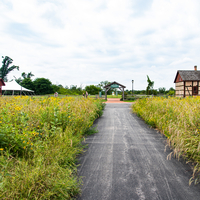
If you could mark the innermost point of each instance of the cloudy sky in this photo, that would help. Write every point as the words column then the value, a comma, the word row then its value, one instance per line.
column 84, row 42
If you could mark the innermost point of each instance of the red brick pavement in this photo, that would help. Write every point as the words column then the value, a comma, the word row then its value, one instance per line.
column 114, row 100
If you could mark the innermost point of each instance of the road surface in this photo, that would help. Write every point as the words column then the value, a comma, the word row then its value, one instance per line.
column 127, row 160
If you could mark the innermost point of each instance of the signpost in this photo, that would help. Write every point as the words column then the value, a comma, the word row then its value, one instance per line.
column 114, row 86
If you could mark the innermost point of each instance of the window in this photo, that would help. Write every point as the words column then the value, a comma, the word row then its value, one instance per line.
column 195, row 90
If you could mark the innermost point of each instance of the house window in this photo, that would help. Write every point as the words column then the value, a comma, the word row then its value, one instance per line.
column 195, row 90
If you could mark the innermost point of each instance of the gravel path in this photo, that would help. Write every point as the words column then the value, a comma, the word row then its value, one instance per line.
column 127, row 160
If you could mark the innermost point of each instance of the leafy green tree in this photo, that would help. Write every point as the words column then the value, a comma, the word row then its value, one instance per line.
column 18, row 80
column 43, row 86
column 92, row 89
column 55, row 88
column 171, row 91
column 27, row 83
column 6, row 68
column 104, row 83
column 29, row 75
column 171, row 88
column 161, row 90
column 25, row 80
column 73, row 87
column 149, row 86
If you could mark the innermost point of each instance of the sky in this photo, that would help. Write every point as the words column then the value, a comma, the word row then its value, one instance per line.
column 84, row 42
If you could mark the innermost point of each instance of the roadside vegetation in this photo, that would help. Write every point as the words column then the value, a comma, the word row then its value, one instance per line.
column 40, row 139
column 179, row 120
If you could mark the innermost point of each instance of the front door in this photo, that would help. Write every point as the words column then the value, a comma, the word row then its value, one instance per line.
column 195, row 90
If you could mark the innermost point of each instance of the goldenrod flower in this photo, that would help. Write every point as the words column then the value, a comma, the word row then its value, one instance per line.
column 1, row 149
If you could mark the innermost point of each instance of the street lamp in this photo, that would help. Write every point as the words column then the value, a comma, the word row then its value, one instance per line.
column 132, row 86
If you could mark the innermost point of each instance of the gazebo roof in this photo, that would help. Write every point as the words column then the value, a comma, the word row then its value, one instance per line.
column 115, row 84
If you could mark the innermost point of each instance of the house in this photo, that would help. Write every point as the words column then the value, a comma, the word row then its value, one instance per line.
column 1, row 84
column 187, row 83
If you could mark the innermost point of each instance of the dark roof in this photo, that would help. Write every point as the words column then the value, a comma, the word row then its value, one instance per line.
column 188, row 75
column 114, row 83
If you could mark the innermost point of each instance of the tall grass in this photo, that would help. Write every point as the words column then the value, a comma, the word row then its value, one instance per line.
column 179, row 120
column 40, row 139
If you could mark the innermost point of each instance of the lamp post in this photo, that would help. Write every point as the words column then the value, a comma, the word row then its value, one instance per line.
column 132, row 86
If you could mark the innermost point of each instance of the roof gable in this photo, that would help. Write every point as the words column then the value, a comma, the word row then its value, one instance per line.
column 113, row 84
column 187, row 75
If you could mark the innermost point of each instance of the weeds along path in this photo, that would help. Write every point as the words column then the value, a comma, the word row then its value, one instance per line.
column 127, row 160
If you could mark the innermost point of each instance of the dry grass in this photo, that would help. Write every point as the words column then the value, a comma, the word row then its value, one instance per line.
column 179, row 120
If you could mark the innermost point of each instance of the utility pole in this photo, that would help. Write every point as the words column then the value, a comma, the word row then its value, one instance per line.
column 132, row 86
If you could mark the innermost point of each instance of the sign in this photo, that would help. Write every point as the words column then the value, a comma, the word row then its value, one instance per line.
column 114, row 86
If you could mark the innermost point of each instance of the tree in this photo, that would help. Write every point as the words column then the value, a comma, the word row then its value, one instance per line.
column 27, row 83
column 55, row 88
column 5, row 69
column 25, row 80
column 29, row 75
column 92, row 89
column 104, row 83
column 43, row 86
column 161, row 90
column 171, row 91
column 149, row 86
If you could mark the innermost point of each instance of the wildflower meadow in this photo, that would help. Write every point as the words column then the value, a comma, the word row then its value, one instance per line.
column 40, row 139
column 179, row 120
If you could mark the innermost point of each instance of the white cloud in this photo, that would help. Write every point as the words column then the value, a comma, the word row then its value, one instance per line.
column 85, row 42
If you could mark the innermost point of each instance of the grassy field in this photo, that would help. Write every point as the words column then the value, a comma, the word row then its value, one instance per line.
column 40, row 139
column 179, row 120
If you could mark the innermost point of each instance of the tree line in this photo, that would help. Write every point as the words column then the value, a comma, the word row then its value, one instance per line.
column 42, row 86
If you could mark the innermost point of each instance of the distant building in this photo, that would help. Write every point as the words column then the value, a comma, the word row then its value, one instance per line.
column 1, row 84
column 187, row 83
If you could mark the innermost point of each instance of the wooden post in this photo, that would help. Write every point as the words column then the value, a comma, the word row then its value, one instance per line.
column 123, row 94
column 106, row 94
column 184, row 90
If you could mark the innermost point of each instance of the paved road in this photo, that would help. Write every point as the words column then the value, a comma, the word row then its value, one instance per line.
column 127, row 160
